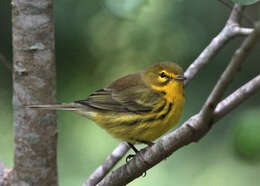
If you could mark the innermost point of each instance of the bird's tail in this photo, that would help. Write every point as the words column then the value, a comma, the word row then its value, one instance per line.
column 61, row 106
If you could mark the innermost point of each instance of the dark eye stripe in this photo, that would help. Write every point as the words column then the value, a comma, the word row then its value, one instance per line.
column 164, row 75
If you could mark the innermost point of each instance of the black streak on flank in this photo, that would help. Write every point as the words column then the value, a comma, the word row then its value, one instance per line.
column 168, row 111
column 161, row 107
column 154, row 118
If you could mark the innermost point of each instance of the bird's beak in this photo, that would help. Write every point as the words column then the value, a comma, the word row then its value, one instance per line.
column 180, row 78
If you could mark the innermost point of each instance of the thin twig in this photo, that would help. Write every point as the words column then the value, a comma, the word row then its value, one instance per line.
column 108, row 164
column 243, row 31
column 244, row 15
column 230, row 30
column 228, row 75
column 192, row 130
column 236, row 98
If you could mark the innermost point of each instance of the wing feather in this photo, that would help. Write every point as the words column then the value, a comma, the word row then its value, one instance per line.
column 127, row 94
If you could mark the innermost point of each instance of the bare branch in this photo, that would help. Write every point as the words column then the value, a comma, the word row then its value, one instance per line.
column 7, row 63
column 109, row 163
column 230, row 6
column 230, row 30
column 236, row 14
column 228, row 75
column 236, row 98
column 192, row 130
column 243, row 31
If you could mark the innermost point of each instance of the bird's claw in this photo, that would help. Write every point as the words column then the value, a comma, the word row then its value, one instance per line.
column 129, row 157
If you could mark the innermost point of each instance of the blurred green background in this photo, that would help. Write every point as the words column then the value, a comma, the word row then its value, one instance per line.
column 99, row 41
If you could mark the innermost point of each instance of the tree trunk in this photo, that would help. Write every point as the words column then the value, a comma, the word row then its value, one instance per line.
column 35, row 131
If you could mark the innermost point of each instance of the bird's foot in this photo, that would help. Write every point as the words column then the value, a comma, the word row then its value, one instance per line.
column 129, row 157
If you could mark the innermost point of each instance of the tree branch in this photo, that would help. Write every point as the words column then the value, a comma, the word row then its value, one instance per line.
column 243, row 31
column 230, row 6
column 191, row 131
column 236, row 98
column 230, row 30
column 108, row 164
column 228, row 75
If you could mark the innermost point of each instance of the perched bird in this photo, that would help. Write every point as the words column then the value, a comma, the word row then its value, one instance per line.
column 137, row 108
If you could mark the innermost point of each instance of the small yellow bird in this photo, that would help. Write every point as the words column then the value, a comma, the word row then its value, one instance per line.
column 137, row 108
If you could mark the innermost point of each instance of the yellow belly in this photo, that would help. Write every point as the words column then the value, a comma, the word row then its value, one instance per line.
column 134, row 128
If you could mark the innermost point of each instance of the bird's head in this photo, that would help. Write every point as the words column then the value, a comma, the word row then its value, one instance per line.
column 163, row 75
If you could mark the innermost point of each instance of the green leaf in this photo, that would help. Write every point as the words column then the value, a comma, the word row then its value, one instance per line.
column 245, row 2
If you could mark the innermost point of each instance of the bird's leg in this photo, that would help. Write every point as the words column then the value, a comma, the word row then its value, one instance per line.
column 130, row 156
column 133, row 147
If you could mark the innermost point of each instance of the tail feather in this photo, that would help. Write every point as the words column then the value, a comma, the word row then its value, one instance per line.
column 61, row 106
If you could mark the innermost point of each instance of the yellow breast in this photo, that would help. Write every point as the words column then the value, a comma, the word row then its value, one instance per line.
column 149, row 126
column 137, row 127
column 172, row 110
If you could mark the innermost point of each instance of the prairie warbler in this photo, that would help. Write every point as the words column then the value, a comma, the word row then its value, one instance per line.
column 137, row 108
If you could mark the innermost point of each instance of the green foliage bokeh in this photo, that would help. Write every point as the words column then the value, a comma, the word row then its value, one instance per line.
column 247, row 135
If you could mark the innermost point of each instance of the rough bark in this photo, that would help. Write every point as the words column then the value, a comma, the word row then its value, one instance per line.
column 34, row 82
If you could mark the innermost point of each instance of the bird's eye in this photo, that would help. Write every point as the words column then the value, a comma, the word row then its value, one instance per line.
column 163, row 75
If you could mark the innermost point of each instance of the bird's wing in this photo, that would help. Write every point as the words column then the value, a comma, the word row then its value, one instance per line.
column 102, row 100
column 127, row 94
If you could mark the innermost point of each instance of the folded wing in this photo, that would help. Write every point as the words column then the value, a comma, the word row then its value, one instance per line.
column 127, row 94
